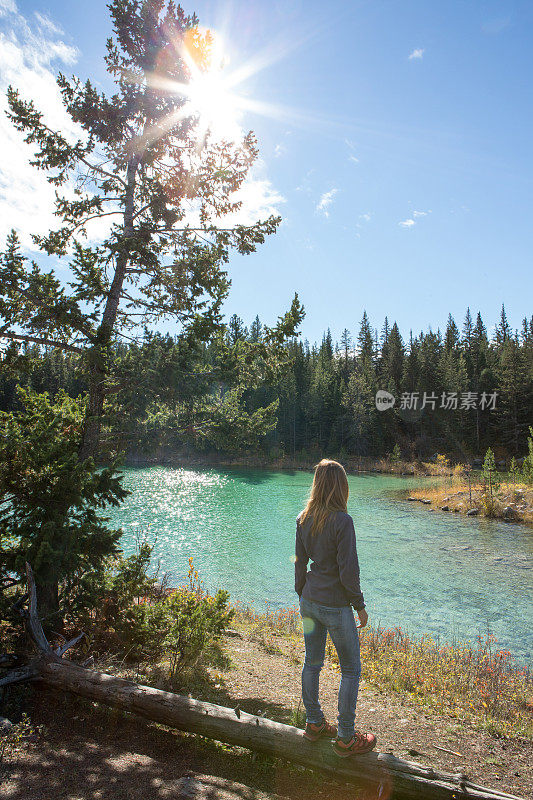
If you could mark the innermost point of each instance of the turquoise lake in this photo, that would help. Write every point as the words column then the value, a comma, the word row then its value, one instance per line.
column 434, row 573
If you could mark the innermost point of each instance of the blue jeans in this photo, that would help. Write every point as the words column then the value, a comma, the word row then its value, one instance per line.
column 318, row 621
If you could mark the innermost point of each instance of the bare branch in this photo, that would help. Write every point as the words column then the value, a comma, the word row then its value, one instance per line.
column 31, row 618
column 63, row 648
column 93, row 216
column 19, row 337
column 103, row 171
column 140, row 211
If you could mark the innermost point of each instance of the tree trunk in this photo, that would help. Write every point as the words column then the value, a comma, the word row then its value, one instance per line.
column 93, row 415
column 382, row 771
column 48, row 603
column 99, row 353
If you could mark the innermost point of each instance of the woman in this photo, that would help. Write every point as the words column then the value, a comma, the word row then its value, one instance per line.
column 325, row 536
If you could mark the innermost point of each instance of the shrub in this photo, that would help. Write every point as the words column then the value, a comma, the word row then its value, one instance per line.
column 527, row 468
column 491, row 506
column 177, row 629
column 51, row 503
column 514, row 471
column 101, row 597
column 16, row 738
column 195, row 622
column 142, row 621
column 396, row 454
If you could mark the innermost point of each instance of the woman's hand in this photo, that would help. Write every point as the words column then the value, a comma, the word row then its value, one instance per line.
column 363, row 617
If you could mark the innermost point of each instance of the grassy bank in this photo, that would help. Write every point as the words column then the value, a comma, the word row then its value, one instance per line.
column 352, row 464
column 477, row 683
column 462, row 708
column 510, row 501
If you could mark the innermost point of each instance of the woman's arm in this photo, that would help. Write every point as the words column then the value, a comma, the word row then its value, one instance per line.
column 300, row 564
column 348, row 561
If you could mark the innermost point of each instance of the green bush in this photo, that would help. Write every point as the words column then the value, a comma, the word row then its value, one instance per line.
column 177, row 629
column 101, row 597
column 123, row 607
column 396, row 454
column 527, row 468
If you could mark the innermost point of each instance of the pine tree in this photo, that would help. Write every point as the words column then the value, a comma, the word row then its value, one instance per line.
column 365, row 340
column 503, row 330
column 50, row 502
column 392, row 361
column 480, row 331
column 385, row 332
column 514, row 410
column 451, row 336
column 346, row 349
column 326, row 348
column 256, row 330
column 236, row 329
column 468, row 329
column 489, row 471
column 527, row 467
column 141, row 162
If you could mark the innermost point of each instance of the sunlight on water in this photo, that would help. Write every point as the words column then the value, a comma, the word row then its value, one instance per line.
column 434, row 573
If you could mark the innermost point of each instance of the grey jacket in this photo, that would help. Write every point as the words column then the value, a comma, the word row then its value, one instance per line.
column 333, row 578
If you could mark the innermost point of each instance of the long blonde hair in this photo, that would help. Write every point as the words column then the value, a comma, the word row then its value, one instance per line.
column 329, row 493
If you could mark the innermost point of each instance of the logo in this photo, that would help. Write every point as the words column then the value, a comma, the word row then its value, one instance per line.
column 384, row 400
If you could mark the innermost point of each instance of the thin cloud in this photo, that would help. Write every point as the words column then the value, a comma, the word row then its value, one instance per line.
column 351, row 146
column 325, row 201
column 259, row 200
column 47, row 24
column 362, row 220
column 7, row 7
column 412, row 220
column 29, row 53
column 279, row 150
column 418, row 52
column 495, row 26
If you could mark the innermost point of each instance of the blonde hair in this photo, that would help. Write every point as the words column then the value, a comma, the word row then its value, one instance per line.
column 329, row 493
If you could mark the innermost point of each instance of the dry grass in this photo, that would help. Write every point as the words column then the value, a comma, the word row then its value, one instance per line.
column 455, row 493
column 266, row 626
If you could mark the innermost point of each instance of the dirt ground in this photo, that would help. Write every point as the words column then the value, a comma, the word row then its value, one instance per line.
column 86, row 752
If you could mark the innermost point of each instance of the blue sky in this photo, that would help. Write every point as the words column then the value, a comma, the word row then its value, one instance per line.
column 399, row 155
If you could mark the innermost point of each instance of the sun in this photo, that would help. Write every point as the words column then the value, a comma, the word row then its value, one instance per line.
column 210, row 97
column 213, row 92
column 209, row 91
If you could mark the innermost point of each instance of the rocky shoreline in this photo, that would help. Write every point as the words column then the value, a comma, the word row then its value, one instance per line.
column 510, row 504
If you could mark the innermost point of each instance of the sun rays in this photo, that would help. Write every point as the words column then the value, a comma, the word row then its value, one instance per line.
column 216, row 92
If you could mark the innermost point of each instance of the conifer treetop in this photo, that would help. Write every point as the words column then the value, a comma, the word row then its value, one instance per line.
column 139, row 167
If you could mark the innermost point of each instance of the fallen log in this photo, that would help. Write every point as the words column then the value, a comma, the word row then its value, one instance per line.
column 394, row 775
column 391, row 776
